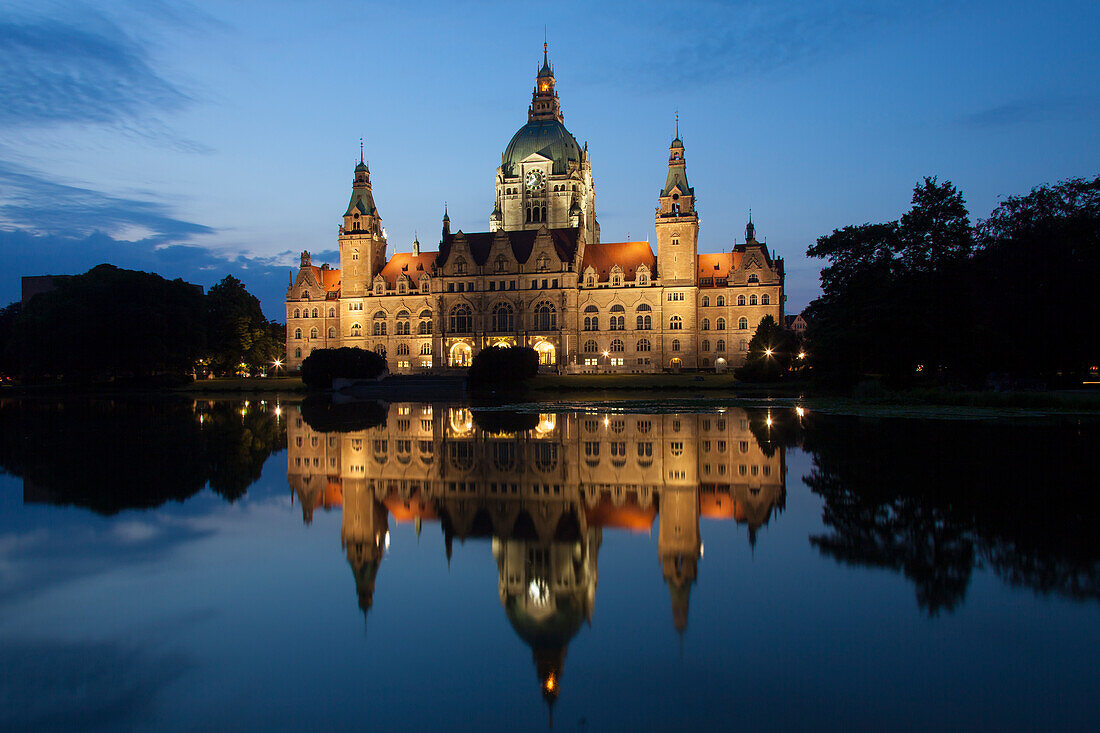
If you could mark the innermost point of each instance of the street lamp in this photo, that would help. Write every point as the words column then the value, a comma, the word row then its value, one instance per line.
column 605, row 355
column 767, row 352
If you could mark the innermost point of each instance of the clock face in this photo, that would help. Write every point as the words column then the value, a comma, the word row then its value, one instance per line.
column 534, row 180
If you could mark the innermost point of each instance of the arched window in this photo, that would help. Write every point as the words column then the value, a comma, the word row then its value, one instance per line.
column 618, row 309
column 424, row 328
column 617, row 345
column 643, row 345
column 675, row 344
column 380, row 349
column 402, row 349
column 618, row 323
column 297, row 313
column 740, row 300
column 706, row 301
column 297, row 353
column 591, row 320
column 743, row 323
column 720, row 324
column 754, row 279
column 643, row 308
column 752, row 299
column 331, row 312
column 331, row 333
column 356, row 329
column 461, row 320
column 645, row 323
column 720, row 345
column 721, row 300
column 706, row 345
column 590, row 281
column 297, row 333
column 425, row 313
column 643, row 277
column 402, row 315
column 402, row 328
column 744, row 345
column 676, row 323
column 546, row 318
column 504, row 318
column 616, row 280
column 379, row 328
column 590, row 347
column 313, row 333
column 765, row 299
column 460, row 266
column 706, row 324
column 314, row 312
column 426, row 348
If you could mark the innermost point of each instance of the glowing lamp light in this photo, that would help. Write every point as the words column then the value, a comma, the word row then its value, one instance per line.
column 769, row 421
column 386, row 541
column 550, row 684
column 767, row 352
column 800, row 412
column 802, row 355
column 606, row 353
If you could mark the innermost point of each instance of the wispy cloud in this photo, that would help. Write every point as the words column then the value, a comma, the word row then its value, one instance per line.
column 58, row 70
column 1022, row 111
column 30, row 200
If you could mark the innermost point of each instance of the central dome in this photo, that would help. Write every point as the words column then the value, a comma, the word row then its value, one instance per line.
column 548, row 138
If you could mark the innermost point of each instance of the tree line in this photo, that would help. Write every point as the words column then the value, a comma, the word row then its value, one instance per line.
column 110, row 323
column 930, row 296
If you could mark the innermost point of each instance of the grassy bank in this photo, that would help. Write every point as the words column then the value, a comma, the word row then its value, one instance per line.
column 659, row 383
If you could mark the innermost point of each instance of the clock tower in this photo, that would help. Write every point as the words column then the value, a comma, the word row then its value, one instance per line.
column 362, row 240
column 677, row 222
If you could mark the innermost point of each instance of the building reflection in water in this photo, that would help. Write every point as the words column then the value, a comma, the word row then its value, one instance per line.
column 543, row 488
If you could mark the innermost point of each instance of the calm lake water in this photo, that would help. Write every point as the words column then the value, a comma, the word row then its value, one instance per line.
column 237, row 565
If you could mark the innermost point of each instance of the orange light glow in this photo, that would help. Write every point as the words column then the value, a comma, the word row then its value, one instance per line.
column 550, row 683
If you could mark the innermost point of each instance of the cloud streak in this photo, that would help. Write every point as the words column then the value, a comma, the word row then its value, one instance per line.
column 55, row 70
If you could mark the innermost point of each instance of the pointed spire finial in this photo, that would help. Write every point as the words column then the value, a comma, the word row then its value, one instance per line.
column 677, row 124
column 360, row 149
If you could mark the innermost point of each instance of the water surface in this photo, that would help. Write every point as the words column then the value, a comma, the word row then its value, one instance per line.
column 175, row 565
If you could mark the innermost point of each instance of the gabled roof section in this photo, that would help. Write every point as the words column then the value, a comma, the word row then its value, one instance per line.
column 627, row 255
column 522, row 242
column 406, row 263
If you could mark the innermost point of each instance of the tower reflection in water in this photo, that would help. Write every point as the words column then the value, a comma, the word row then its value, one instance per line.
column 543, row 487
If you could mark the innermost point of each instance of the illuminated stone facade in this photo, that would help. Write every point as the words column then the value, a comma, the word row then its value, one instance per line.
column 541, row 276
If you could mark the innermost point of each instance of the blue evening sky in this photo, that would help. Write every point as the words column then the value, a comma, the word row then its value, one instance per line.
column 202, row 139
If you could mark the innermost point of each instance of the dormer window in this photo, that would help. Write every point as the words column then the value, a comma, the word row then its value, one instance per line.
column 424, row 284
column 590, row 281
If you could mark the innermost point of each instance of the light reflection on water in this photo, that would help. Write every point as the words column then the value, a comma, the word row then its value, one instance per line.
column 651, row 569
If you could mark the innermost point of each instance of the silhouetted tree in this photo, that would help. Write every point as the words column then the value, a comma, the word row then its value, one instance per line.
column 771, row 350
column 324, row 365
column 111, row 323
column 237, row 329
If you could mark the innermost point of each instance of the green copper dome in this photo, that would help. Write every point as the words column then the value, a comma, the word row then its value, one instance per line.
column 545, row 137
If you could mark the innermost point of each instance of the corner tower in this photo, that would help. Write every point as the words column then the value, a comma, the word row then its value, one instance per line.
column 677, row 223
column 362, row 243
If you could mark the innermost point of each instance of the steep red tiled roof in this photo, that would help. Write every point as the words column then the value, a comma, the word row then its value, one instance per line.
column 408, row 263
column 717, row 265
column 329, row 279
column 627, row 255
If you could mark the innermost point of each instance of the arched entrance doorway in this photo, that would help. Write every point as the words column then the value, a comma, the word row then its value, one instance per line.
column 676, row 363
column 720, row 365
column 461, row 355
column 546, row 353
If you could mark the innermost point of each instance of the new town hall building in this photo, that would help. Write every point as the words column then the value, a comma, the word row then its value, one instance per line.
column 540, row 277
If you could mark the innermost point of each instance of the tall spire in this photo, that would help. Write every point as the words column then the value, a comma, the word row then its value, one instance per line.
column 677, row 138
column 544, row 100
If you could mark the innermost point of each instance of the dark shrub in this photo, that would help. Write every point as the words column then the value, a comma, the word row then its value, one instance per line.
column 503, row 365
column 505, row 421
column 326, row 416
column 324, row 365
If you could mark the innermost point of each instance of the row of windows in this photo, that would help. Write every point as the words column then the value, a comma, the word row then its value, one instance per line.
column 617, row 345
column 616, row 278
column 720, row 301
